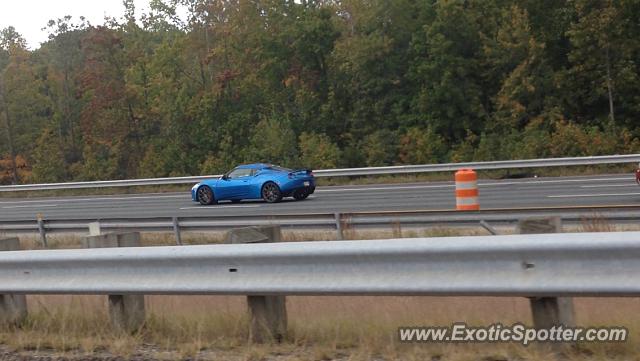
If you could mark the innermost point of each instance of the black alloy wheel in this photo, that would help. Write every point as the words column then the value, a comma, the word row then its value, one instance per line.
column 300, row 194
column 271, row 193
column 205, row 196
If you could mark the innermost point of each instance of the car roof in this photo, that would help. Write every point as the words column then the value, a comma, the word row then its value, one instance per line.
column 253, row 166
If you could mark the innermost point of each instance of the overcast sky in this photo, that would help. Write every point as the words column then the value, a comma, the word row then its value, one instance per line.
column 29, row 17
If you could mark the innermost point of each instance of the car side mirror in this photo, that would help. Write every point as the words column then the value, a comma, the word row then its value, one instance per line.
column 224, row 177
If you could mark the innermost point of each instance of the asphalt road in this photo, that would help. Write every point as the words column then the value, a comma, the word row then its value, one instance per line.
column 610, row 190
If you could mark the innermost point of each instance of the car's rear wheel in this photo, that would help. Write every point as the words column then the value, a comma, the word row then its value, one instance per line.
column 205, row 196
column 300, row 194
column 271, row 193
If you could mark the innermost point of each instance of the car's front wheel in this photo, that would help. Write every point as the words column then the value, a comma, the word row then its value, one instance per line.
column 271, row 193
column 205, row 196
column 300, row 194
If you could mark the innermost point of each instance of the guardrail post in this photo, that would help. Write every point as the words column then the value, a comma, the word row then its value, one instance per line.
column 94, row 229
column 268, row 314
column 176, row 231
column 13, row 308
column 548, row 311
column 339, row 234
column 488, row 227
column 126, row 311
column 41, row 230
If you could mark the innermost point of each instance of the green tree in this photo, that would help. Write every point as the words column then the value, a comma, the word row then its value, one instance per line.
column 325, row 84
column 516, row 58
column 447, row 70
column 23, row 107
column 222, row 161
column 421, row 146
column 318, row 152
column 380, row 148
column 273, row 141
column 369, row 63
column 604, row 73
column 49, row 162
column 100, row 162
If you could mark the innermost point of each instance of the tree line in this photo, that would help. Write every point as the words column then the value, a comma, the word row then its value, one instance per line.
column 321, row 84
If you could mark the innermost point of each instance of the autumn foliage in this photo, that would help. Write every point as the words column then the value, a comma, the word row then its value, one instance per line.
column 318, row 84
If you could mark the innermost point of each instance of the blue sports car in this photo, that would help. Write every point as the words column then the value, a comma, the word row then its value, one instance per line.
column 255, row 181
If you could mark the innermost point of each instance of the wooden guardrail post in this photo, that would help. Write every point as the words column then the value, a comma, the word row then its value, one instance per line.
column 126, row 311
column 13, row 308
column 548, row 311
column 268, row 314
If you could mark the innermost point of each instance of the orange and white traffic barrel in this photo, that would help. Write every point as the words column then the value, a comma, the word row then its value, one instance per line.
column 467, row 190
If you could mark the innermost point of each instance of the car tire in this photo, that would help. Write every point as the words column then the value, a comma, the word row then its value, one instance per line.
column 300, row 194
column 204, row 195
column 271, row 193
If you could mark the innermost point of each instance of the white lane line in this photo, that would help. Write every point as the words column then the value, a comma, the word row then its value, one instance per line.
column 221, row 207
column 31, row 206
column 593, row 195
column 534, row 182
column 609, row 185
column 558, row 181
column 382, row 188
column 72, row 200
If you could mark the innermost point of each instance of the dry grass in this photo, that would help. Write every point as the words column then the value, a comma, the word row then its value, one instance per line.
column 597, row 223
column 70, row 241
column 320, row 328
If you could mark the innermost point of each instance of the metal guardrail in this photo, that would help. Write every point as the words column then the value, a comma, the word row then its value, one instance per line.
column 566, row 264
column 502, row 164
column 322, row 221
column 404, row 169
column 105, row 184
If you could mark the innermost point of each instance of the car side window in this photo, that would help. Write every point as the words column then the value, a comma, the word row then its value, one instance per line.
column 239, row 172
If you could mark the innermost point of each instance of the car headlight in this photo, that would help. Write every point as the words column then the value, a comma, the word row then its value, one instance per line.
column 194, row 187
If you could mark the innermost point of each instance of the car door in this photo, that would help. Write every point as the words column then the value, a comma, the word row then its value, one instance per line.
column 246, row 182
column 241, row 184
column 234, row 185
